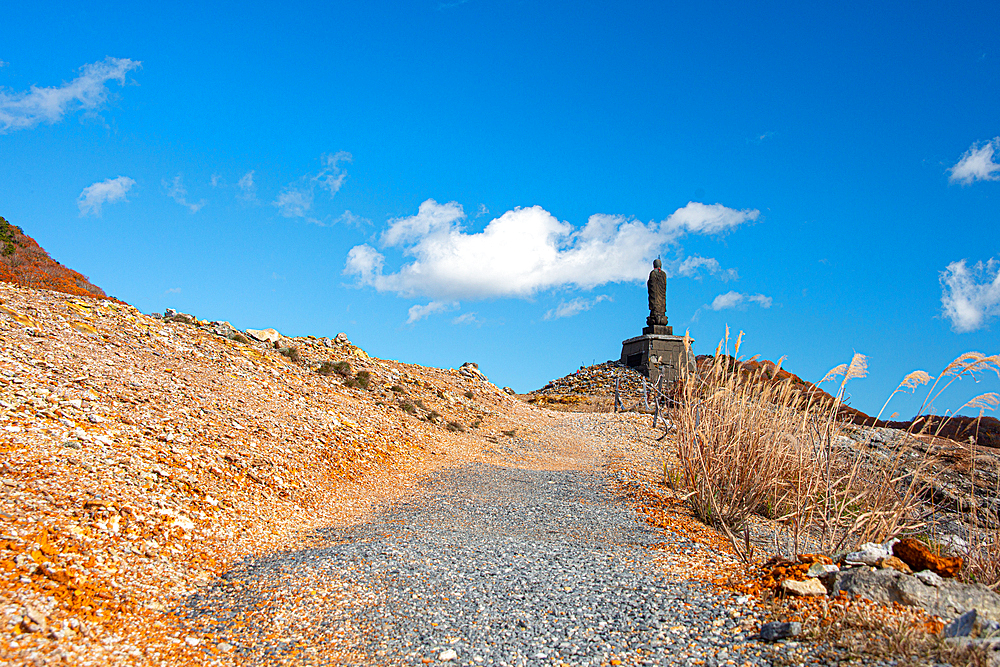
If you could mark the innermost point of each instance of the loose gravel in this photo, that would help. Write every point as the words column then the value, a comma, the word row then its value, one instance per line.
column 484, row 565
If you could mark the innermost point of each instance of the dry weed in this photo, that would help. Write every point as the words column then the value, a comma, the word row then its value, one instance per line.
column 748, row 444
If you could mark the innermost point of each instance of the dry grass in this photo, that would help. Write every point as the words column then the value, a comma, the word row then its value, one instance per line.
column 749, row 445
column 851, row 629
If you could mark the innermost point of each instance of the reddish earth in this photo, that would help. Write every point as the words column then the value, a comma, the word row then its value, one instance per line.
column 25, row 263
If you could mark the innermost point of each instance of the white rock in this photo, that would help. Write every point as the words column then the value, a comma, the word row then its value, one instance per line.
column 807, row 588
column 869, row 554
column 264, row 335
column 448, row 654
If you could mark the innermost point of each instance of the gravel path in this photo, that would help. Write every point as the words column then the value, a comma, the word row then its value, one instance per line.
column 484, row 564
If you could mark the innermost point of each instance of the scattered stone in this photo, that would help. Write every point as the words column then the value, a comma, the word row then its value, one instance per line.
column 962, row 626
column 470, row 369
column 895, row 564
column 821, row 570
column 448, row 655
column 946, row 598
column 183, row 318
column 869, row 554
column 33, row 620
column 341, row 339
column 916, row 554
column 808, row 588
column 774, row 630
column 225, row 647
column 508, row 390
column 264, row 335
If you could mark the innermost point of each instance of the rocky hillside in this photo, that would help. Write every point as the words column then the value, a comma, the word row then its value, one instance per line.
column 142, row 455
column 24, row 262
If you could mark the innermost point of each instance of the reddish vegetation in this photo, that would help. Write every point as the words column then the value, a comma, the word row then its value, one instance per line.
column 916, row 554
column 25, row 263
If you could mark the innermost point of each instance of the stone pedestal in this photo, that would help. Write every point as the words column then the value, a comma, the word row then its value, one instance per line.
column 654, row 354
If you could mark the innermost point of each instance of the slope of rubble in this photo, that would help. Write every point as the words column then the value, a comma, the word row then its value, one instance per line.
column 142, row 455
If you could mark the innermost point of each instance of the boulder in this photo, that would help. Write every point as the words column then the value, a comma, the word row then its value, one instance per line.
column 509, row 391
column 916, row 554
column 946, row 598
column 264, row 335
column 341, row 339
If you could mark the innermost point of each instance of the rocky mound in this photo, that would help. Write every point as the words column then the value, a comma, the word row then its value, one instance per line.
column 141, row 455
column 25, row 263
column 590, row 389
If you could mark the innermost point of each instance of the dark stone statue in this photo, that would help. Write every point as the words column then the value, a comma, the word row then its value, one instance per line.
column 657, row 288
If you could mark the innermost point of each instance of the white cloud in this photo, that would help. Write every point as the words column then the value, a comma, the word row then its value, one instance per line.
column 248, row 190
column 173, row 290
column 575, row 306
column 690, row 265
column 19, row 111
column 296, row 199
column 525, row 250
column 177, row 192
column 418, row 312
column 977, row 164
column 108, row 191
column 467, row 318
column 737, row 300
column 970, row 297
column 3, row 63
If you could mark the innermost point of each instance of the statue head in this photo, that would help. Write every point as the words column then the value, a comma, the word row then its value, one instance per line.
column 657, row 264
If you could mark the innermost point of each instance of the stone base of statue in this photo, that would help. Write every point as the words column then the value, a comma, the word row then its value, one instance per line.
column 657, row 352
column 657, row 325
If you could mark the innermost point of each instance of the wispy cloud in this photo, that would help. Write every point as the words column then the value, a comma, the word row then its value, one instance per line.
column 525, row 250
column 418, row 312
column 104, row 192
column 346, row 218
column 173, row 290
column 176, row 191
column 970, row 297
column 467, row 318
column 87, row 92
column 690, row 266
column 296, row 199
column 248, row 190
column 738, row 300
column 759, row 139
column 977, row 164
column 575, row 306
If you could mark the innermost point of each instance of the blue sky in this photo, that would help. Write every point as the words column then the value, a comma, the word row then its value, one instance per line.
column 488, row 181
